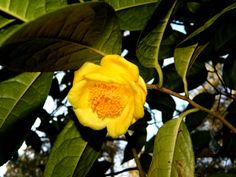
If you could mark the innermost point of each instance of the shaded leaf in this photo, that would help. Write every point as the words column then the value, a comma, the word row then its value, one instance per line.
column 173, row 154
column 169, row 43
column 208, row 24
column 163, row 102
column 196, row 76
column 184, row 58
column 200, row 141
column 137, row 141
column 72, row 155
column 229, row 71
column 34, row 141
column 150, row 41
column 129, row 12
column 63, row 39
column 195, row 119
column 99, row 169
column 20, row 98
column 145, row 160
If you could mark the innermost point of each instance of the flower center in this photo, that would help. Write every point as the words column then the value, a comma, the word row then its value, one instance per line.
column 106, row 101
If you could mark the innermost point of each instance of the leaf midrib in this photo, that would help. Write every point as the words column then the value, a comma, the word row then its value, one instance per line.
column 18, row 99
column 135, row 5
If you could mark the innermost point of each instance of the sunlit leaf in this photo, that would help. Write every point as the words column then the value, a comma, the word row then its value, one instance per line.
column 129, row 12
column 72, row 154
column 14, row 13
column 20, row 97
column 26, row 10
column 184, row 58
column 149, row 44
column 173, row 154
column 63, row 39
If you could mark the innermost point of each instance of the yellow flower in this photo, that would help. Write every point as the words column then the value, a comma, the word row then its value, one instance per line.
column 110, row 95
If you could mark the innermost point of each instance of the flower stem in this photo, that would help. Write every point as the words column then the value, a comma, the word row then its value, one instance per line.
column 194, row 104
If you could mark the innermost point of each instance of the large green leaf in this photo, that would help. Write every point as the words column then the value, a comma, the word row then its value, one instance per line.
column 173, row 153
column 184, row 57
column 20, row 97
column 26, row 10
column 129, row 12
column 196, row 76
column 72, row 155
column 21, row 94
column 149, row 44
column 208, row 23
column 63, row 39
column 14, row 13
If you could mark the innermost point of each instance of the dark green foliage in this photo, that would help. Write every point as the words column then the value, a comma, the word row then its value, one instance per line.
column 60, row 35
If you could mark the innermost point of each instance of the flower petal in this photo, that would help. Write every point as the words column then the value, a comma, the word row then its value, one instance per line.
column 88, row 118
column 139, row 100
column 118, row 64
column 85, row 69
column 120, row 125
column 103, row 77
column 78, row 95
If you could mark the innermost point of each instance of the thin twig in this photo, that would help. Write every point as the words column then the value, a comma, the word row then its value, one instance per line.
column 194, row 104
column 136, row 158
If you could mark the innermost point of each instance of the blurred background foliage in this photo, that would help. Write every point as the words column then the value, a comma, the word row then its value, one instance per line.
column 211, row 79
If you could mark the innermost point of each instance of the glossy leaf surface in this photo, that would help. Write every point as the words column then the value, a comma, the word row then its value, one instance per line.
column 72, row 154
column 129, row 12
column 63, row 39
column 173, row 154
column 20, row 98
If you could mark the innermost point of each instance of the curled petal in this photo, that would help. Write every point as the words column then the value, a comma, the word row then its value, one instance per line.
column 78, row 95
column 139, row 100
column 101, row 77
column 88, row 118
column 85, row 69
column 120, row 125
column 118, row 64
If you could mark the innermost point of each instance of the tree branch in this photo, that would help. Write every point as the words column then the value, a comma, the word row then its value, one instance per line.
column 194, row 104
column 122, row 171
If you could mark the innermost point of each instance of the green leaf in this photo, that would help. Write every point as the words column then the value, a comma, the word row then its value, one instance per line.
column 163, row 102
column 14, row 13
column 72, row 155
column 63, row 39
column 129, row 12
column 195, row 119
column 20, row 99
column 184, row 58
column 196, row 76
column 149, row 44
column 26, row 10
column 208, row 24
column 229, row 71
column 169, row 43
column 173, row 154
column 18, row 95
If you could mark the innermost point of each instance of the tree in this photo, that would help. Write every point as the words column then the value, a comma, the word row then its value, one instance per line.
column 42, row 41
